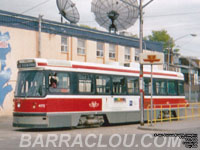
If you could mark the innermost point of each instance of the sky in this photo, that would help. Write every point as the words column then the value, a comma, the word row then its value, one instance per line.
column 179, row 17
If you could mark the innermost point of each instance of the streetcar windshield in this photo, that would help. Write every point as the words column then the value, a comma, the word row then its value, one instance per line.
column 30, row 84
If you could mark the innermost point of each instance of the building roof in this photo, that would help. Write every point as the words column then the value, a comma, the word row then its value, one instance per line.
column 31, row 23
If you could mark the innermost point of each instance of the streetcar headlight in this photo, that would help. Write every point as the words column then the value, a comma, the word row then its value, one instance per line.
column 18, row 105
column 34, row 105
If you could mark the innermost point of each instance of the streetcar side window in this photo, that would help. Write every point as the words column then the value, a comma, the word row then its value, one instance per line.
column 85, row 83
column 172, row 87
column 59, row 82
column 118, row 85
column 147, row 86
column 102, row 84
column 160, row 87
column 181, row 88
column 132, row 85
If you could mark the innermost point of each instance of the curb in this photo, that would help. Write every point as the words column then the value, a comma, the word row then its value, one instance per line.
column 153, row 129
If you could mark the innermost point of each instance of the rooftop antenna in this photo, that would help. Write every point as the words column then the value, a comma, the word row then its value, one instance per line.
column 68, row 10
column 115, row 15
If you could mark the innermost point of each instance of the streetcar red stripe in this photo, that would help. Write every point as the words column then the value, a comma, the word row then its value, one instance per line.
column 104, row 69
column 109, row 69
column 84, row 104
column 165, row 102
column 120, row 70
column 59, row 105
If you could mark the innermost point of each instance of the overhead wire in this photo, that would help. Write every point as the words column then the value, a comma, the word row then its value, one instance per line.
column 174, row 14
column 38, row 5
column 153, row 16
column 163, row 15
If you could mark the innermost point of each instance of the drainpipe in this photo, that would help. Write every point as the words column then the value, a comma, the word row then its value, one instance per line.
column 39, row 36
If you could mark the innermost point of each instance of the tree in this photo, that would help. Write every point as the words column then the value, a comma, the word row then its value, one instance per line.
column 168, row 44
column 162, row 36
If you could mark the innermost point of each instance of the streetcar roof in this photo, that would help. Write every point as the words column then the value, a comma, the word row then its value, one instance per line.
column 114, row 68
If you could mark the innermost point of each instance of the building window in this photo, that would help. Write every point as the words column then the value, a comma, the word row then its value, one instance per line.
column 100, row 49
column 112, row 51
column 127, row 53
column 81, row 47
column 137, row 52
column 64, row 44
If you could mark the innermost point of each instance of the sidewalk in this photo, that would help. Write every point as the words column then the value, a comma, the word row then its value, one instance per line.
column 172, row 126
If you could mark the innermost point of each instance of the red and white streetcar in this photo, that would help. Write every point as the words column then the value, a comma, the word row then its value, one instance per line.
column 55, row 93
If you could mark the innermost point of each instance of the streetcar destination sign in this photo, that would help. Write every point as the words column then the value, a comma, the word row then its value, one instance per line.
column 151, row 58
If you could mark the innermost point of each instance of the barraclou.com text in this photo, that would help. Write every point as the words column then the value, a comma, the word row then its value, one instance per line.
column 93, row 140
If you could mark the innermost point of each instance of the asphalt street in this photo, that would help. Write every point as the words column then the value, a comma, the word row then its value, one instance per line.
column 110, row 137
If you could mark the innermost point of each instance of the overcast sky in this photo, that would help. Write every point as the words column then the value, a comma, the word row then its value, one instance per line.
column 178, row 17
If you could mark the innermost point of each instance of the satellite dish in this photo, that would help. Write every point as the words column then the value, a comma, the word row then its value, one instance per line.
column 68, row 10
column 115, row 15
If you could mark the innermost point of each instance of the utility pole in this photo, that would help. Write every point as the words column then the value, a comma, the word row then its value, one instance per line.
column 141, row 81
column 170, row 48
column 39, row 36
column 169, row 53
column 190, row 80
column 141, row 85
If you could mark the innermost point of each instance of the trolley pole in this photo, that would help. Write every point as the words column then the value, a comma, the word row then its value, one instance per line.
column 141, row 85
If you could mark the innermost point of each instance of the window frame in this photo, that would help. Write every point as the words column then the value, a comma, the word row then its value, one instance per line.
column 175, row 87
column 81, row 50
column 127, row 53
column 26, row 89
column 91, row 77
column 137, row 52
column 136, row 79
column 156, row 80
column 183, row 90
column 112, row 52
column 64, row 44
column 124, row 91
column 109, row 85
column 99, row 51
column 148, row 86
column 58, row 92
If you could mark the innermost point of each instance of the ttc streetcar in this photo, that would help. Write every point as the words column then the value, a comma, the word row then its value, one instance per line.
column 57, row 93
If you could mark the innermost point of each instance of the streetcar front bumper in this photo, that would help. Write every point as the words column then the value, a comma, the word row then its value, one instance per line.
column 30, row 120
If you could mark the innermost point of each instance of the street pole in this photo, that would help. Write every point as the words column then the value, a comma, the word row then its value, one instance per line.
column 151, row 94
column 141, row 80
column 168, row 57
column 170, row 48
column 190, row 84
column 141, row 86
